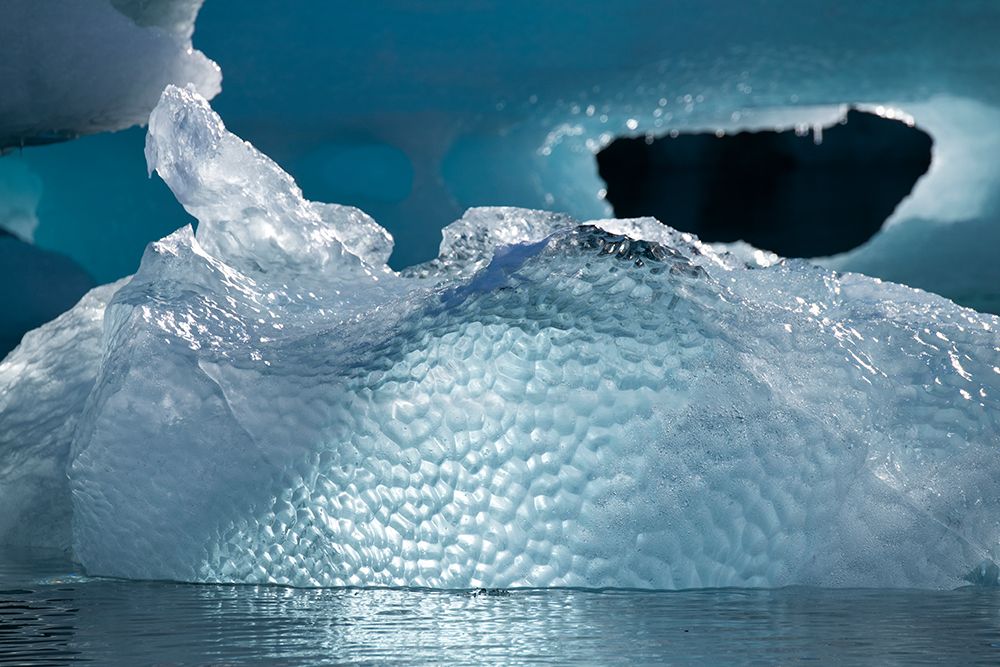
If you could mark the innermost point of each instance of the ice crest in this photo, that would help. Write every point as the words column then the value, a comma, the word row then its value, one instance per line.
column 467, row 245
column 550, row 404
column 250, row 213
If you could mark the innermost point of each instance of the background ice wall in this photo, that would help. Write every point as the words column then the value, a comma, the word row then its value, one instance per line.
column 414, row 112
column 505, row 103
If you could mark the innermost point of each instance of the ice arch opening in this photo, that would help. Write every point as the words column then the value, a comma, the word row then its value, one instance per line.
column 794, row 192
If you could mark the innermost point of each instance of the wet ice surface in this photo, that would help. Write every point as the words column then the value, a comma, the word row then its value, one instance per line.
column 547, row 404
column 50, row 614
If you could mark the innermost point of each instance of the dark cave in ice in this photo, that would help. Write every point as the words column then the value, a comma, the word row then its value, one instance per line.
column 799, row 194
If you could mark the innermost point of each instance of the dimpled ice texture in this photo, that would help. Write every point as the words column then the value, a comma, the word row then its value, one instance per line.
column 546, row 404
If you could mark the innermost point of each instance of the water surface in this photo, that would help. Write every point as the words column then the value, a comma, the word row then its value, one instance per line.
column 51, row 614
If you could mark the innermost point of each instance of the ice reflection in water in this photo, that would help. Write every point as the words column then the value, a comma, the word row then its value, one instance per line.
column 50, row 614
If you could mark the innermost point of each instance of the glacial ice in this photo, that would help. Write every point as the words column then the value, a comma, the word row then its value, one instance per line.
column 91, row 66
column 548, row 403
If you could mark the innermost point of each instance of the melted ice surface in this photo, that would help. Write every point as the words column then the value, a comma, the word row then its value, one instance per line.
column 548, row 403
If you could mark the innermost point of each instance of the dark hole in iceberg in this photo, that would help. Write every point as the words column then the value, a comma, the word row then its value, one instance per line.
column 780, row 191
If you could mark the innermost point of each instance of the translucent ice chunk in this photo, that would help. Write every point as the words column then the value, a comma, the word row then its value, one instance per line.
column 553, row 403
column 468, row 244
column 43, row 386
column 267, row 227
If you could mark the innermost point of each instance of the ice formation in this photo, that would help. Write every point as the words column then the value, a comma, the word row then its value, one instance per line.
column 548, row 403
column 89, row 66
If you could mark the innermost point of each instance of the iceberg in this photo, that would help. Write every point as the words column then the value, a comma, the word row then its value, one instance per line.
column 548, row 403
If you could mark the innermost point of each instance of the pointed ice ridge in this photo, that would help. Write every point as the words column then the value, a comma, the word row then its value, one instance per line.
column 250, row 212
column 468, row 244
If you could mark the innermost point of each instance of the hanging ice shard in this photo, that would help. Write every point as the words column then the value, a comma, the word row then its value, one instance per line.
column 548, row 403
column 92, row 66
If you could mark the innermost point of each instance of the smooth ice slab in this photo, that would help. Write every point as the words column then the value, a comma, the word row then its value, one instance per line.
column 548, row 403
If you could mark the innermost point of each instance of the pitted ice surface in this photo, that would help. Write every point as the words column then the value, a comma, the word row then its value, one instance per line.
column 44, row 384
column 607, row 404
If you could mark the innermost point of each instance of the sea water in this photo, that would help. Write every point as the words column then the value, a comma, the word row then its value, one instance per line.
column 51, row 613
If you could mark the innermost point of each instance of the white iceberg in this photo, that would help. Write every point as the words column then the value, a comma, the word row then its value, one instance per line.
column 89, row 66
column 547, row 404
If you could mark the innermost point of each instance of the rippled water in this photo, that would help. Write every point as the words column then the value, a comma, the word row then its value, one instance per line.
column 51, row 614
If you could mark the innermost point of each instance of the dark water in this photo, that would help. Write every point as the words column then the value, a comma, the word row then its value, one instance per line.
column 52, row 615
